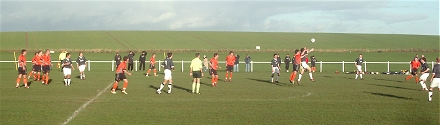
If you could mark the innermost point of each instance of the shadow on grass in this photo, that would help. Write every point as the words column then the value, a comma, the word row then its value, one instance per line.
column 389, row 95
column 397, row 87
column 182, row 88
column 269, row 82
column 387, row 80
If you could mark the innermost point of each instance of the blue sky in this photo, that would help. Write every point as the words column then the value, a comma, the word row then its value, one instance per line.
column 329, row 16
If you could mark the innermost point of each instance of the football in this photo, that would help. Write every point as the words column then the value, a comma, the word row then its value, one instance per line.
column 313, row 40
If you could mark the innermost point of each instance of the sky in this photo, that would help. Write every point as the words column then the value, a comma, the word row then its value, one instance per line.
column 419, row 17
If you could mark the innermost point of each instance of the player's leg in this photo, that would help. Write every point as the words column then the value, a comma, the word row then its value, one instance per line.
column 310, row 73
column 410, row 76
column 125, row 86
column 423, row 78
column 194, row 85
column 278, row 75
column 170, row 85
column 18, row 81
column 115, row 84
column 65, row 77
column 198, row 86
column 435, row 83
column 227, row 73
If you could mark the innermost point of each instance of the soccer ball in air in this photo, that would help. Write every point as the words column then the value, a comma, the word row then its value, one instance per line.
column 312, row 40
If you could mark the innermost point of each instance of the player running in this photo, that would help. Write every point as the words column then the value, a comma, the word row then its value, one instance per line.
column 67, row 69
column 81, row 64
column 168, row 64
column 415, row 64
column 435, row 78
column 152, row 65
column 230, row 60
column 424, row 72
column 358, row 63
column 120, row 75
column 22, row 69
column 46, row 67
column 197, row 73
column 304, row 53
column 213, row 64
column 275, row 68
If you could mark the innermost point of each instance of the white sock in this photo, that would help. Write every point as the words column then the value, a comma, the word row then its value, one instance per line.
column 198, row 88
column 169, row 87
column 161, row 86
column 311, row 75
column 430, row 95
column 277, row 78
column 422, row 83
column 193, row 87
column 271, row 79
column 356, row 76
column 299, row 77
column 361, row 75
column 68, row 81
column 65, row 81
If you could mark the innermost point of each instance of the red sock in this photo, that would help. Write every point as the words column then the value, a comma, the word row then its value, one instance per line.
column 18, row 80
column 25, row 81
column 47, row 80
column 115, row 85
column 125, row 84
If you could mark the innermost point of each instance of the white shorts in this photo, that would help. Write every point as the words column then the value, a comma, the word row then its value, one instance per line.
column 304, row 65
column 81, row 68
column 424, row 76
column 67, row 71
column 275, row 70
column 359, row 67
column 167, row 73
column 435, row 82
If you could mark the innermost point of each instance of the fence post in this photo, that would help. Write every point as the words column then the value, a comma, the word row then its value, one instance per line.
column 388, row 66
column 88, row 65
column 365, row 67
column 252, row 66
column 113, row 65
column 136, row 65
column 158, row 65
column 410, row 68
column 182, row 65
column 320, row 67
column 343, row 66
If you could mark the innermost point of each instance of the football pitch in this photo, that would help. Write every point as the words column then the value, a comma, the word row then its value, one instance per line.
column 249, row 99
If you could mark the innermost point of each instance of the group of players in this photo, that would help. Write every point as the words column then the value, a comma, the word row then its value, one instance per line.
column 41, row 67
column 417, row 63
column 299, row 62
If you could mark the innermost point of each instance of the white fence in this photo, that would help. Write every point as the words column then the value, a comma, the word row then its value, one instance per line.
column 182, row 63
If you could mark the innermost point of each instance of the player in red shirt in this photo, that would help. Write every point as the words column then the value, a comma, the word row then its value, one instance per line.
column 22, row 69
column 34, row 65
column 230, row 60
column 152, row 65
column 46, row 67
column 296, row 65
column 213, row 63
column 415, row 64
column 120, row 75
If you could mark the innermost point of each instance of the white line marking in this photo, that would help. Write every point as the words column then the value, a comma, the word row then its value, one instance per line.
column 85, row 105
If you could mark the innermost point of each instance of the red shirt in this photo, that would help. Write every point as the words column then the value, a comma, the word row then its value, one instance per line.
column 297, row 58
column 35, row 60
column 230, row 60
column 21, row 61
column 122, row 66
column 152, row 61
column 214, row 63
column 46, row 60
column 415, row 64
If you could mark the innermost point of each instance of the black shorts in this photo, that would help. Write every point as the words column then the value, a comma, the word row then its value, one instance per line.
column 197, row 74
column 46, row 69
column 414, row 71
column 213, row 72
column 120, row 76
column 296, row 67
column 229, row 68
column 21, row 71
column 36, row 68
column 152, row 67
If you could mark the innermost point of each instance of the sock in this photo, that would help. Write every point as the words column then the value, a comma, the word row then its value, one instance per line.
column 424, row 85
column 18, row 81
column 115, row 85
column 356, row 76
column 193, row 87
column 361, row 75
column 65, row 81
column 47, row 79
column 161, row 86
column 271, row 79
column 408, row 77
column 212, row 80
column 84, row 75
column 417, row 79
column 68, row 81
column 81, row 76
column 125, row 84
column 25, row 82
column 148, row 72
column 277, row 78
column 291, row 76
column 198, row 88
column 29, row 75
column 216, row 79
column 226, row 76
column 169, row 87
column 123, row 89
column 35, row 75
column 430, row 95
column 38, row 76
column 230, row 76
column 299, row 77
column 311, row 75
column 154, row 70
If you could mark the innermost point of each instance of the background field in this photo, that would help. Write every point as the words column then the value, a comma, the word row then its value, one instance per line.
column 249, row 99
